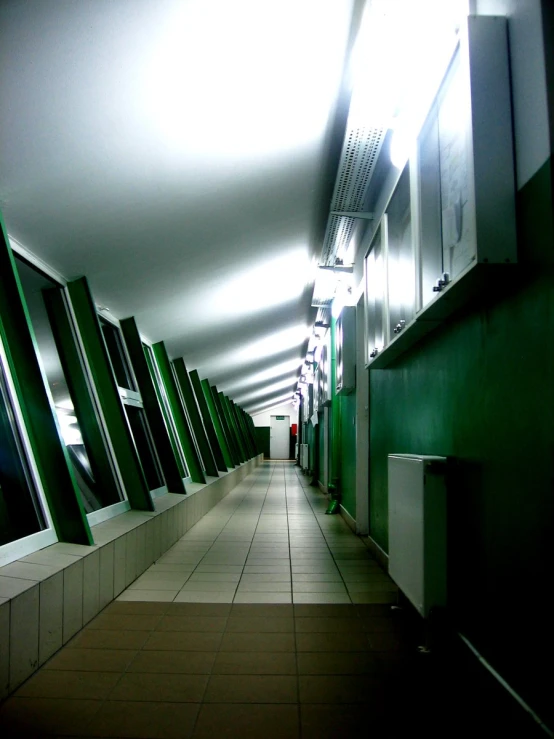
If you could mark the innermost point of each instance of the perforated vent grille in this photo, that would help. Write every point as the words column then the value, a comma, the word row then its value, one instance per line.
column 337, row 237
column 358, row 158
column 359, row 154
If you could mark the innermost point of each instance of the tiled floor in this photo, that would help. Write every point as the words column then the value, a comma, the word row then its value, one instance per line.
column 156, row 669
column 268, row 541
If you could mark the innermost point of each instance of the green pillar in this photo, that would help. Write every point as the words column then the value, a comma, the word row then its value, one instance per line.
column 218, row 425
column 160, row 436
column 178, row 413
column 187, row 394
column 225, row 423
column 49, row 452
column 108, row 395
column 213, row 437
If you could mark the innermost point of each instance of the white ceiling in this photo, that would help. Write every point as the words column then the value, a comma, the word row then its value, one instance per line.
column 181, row 154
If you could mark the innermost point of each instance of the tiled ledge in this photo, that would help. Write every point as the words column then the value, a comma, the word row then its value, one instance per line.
column 47, row 596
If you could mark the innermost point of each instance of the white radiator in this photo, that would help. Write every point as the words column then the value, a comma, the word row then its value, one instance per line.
column 417, row 528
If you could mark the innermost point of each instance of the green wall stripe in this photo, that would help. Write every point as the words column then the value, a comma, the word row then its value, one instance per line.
column 219, row 428
column 123, row 445
column 173, row 478
column 78, row 384
column 48, row 450
column 208, row 422
column 189, row 399
column 178, row 413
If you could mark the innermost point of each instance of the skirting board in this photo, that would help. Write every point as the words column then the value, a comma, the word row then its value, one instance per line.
column 38, row 616
column 380, row 555
column 348, row 518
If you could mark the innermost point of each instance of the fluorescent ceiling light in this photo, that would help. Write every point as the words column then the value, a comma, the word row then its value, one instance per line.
column 400, row 57
column 243, row 79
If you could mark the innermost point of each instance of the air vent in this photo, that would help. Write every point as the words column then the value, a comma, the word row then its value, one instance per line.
column 360, row 151
column 359, row 155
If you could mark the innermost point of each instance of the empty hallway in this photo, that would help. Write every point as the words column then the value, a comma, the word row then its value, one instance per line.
column 267, row 619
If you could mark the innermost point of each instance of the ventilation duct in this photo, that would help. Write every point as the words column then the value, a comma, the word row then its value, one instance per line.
column 360, row 151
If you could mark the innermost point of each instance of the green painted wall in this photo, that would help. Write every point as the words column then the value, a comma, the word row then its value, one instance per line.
column 262, row 440
column 481, row 389
column 347, row 451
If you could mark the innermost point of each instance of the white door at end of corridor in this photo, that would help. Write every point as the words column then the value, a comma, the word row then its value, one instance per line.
column 279, row 437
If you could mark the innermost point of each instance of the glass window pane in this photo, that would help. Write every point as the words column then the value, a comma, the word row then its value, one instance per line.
column 93, row 495
column 145, row 446
column 401, row 267
column 20, row 510
column 118, row 357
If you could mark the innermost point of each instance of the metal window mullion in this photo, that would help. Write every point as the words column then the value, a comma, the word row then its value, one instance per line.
column 189, row 400
column 164, row 405
column 160, row 436
column 178, row 412
column 218, row 425
column 225, row 423
column 58, row 483
column 79, row 389
column 208, row 421
column 242, row 432
column 240, row 435
column 123, row 444
column 233, row 426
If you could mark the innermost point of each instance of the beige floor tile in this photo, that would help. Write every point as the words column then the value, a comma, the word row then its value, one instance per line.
column 91, row 660
column 194, row 641
column 321, row 598
column 259, row 625
column 125, row 622
column 245, row 586
column 248, row 721
column 255, row 663
column 105, row 639
column 319, row 587
column 71, row 684
column 252, row 689
column 162, row 595
column 337, row 663
column 173, row 662
column 195, row 596
column 256, row 597
column 339, row 688
column 255, row 610
column 179, row 688
column 375, row 597
column 118, row 608
column 192, row 623
column 201, row 586
column 256, row 642
column 316, row 577
column 199, row 609
column 154, row 720
column 322, row 624
column 332, row 642
column 230, row 577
